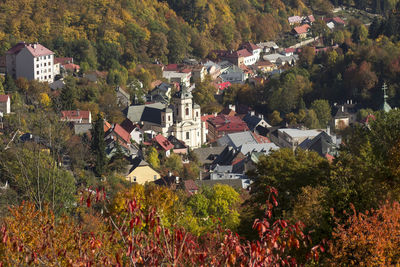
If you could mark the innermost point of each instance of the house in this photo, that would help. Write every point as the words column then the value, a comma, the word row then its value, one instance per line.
column 254, row 50
column 213, row 69
column 345, row 115
column 31, row 61
column 199, row 73
column 139, row 171
column 287, row 60
column 5, row 104
column 323, row 144
column 301, row 31
column 288, row 51
column 163, row 92
column 222, row 124
column 336, row 21
column 268, row 47
column 292, row 138
column 134, row 130
column 123, row 98
column 116, row 132
column 294, row 20
column 176, row 73
column 207, row 155
column 236, row 140
column 76, row 116
column 272, row 57
column 179, row 146
column 265, row 66
column 163, row 144
column 254, row 121
column 233, row 74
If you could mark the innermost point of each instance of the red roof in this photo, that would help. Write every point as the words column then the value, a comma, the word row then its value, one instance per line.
column 122, row 133
column 4, row 98
column 240, row 53
column 106, row 125
column 190, row 186
column 71, row 66
column 38, row 50
column 224, row 85
column 311, row 18
column 338, row 20
column 290, row 50
column 75, row 114
column 63, row 60
column 249, row 46
column 163, row 142
column 261, row 139
column 302, row 29
column 171, row 67
column 228, row 123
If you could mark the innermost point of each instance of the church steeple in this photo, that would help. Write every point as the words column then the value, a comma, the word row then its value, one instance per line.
column 385, row 106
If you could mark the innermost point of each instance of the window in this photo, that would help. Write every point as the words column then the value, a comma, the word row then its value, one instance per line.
column 45, row 64
column 37, row 65
column 37, row 72
column 197, row 114
column 49, row 69
column 198, row 134
column 163, row 118
column 134, row 178
column 155, row 177
column 169, row 118
column 37, row 59
column 187, row 135
column 187, row 111
column 49, row 76
column 45, row 77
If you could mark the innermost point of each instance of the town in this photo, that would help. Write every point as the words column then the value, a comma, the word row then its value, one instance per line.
column 203, row 134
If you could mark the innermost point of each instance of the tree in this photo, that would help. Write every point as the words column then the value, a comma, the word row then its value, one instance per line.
column 323, row 112
column 275, row 118
column 152, row 158
column 174, row 163
column 98, row 145
column 311, row 120
column 306, row 56
column 35, row 176
column 157, row 48
column 287, row 171
column 370, row 238
column 204, row 96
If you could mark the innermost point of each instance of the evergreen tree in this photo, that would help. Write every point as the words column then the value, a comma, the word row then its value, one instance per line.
column 98, row 145
column 10, row 84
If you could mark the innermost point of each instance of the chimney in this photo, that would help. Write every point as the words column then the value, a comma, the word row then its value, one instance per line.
column 252, row 113
column 232, row 107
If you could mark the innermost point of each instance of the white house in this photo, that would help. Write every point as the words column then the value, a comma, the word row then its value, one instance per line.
column 233, row 74
column 31, row 61
column 5, row 104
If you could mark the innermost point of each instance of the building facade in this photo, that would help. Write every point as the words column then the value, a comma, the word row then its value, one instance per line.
column 31, row 61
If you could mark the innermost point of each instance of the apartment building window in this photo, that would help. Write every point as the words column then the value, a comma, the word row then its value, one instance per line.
column 37, row 65
column 49, row 70
column 37, row 72
column 37, row 59
column 45, row 77
column 45, row 64
column 49, row 76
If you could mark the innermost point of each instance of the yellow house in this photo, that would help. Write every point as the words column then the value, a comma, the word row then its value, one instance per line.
column 140, row 172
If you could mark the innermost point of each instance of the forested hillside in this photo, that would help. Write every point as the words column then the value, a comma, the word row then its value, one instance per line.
column 96, row 31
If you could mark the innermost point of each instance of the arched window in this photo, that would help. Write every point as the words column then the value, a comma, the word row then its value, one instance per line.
column 187, row 111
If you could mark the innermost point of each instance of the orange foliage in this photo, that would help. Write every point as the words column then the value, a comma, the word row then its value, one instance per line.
column 368, row 239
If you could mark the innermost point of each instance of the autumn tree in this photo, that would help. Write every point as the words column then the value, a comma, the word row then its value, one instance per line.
column 368, row 238
column 323, row 112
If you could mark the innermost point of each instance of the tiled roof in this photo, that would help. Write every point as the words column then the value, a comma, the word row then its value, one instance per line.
column 239, row 53
column 302, row 29
column 38, row 50
column 338, row 20
column 163, row 142
column 190, row 185
column 4, row 98
column 106, row 126
column 75, row 114
column 71, row 66
column 63, row 60
column 311, row 18
column 122, row 133
column 228, row 123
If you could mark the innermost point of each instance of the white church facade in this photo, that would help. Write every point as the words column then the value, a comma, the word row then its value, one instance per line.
column 181, row 118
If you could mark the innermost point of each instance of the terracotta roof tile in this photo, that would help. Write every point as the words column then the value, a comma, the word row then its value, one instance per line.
column 163, row 142
column 4, row 98
column 122, row 133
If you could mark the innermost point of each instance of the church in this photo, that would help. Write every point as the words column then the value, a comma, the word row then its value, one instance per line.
column 181, row 118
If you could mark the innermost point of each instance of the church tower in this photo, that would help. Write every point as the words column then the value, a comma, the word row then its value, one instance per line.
column 183, row 105
column 385, row 106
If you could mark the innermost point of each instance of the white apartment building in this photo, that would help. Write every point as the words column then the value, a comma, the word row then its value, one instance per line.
column 31, row 61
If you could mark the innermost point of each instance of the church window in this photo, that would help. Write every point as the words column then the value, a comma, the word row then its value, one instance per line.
column 187, row 135
column 187, row 111
column 169, row 118
column 197, row 114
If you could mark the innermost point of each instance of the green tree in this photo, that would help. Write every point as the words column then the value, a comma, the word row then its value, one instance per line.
column 288, row 172
column 174, row 163
column 98, row 145
column 323, row 111
column 311, row 119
